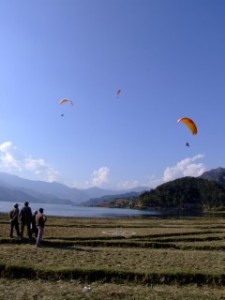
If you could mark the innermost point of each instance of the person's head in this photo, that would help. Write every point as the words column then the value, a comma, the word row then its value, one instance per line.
column 35, row 212
column 41, row 210
column 26, row 203
column 16, row 205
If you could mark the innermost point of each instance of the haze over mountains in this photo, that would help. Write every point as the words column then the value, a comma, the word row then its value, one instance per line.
column 217, row 175
column 205, row 191
column 17, row 189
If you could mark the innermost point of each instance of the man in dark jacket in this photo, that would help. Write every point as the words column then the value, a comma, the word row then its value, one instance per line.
column 40, row 221
column 26, row 219
column 14, row 222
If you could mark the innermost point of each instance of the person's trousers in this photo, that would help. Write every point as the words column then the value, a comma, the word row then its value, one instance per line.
column 16, row 225
column 29, row 232
column 39, row 235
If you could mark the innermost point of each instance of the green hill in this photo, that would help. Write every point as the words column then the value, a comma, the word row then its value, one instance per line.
column 206, row 192
column 188, row 193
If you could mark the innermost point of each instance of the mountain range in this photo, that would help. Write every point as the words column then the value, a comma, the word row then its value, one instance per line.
column 186, row 193
column 17, row 189
column 205, row 191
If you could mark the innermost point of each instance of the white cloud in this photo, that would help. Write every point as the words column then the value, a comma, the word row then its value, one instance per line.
column 186, row 167
column 5, row 146
column 7, row 157
column 100, row 176
column 39, row 167
column 154, row 182
column 11, row 159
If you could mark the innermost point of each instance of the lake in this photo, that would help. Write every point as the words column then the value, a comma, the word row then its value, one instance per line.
column 65, row 210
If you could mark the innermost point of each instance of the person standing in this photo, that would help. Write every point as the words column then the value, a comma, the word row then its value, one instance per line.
column 26, row 220
column 40, row 222
column 34, row 226
column 14, row 220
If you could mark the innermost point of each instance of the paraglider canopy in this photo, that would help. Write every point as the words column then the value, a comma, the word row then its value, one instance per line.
column 64, row 100
column 190, row 124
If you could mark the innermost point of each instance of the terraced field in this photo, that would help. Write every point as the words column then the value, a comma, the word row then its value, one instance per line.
column 127, row 258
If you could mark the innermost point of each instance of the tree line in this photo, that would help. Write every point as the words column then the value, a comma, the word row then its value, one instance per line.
column 184, row 193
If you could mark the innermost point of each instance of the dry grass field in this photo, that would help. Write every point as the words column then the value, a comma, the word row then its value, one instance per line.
column 124, row 258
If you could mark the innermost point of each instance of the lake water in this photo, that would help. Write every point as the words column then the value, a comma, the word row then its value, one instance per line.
column 66, row 210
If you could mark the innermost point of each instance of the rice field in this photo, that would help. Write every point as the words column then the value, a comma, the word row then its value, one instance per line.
column 127, row 258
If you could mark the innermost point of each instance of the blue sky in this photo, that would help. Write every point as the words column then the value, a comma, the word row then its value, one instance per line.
column 166, row 56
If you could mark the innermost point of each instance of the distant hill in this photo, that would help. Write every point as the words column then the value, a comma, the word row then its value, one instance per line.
column 188, row 193
column 99, row 194
column 17, row 189
column 185, row 193
column 38, row 191
column 17, row 195
column 204, row 192
column 120, row 200
column 217, row 175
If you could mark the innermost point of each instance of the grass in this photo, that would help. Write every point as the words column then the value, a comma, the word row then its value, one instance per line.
column 127, row 258
column 70, row 290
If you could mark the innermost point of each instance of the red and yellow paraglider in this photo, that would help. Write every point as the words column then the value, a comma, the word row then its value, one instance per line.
column 190, row 124
column 64, row 100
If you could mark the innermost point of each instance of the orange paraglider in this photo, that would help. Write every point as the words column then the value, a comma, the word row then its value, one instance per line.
column 64, row 100
column 190, row 124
